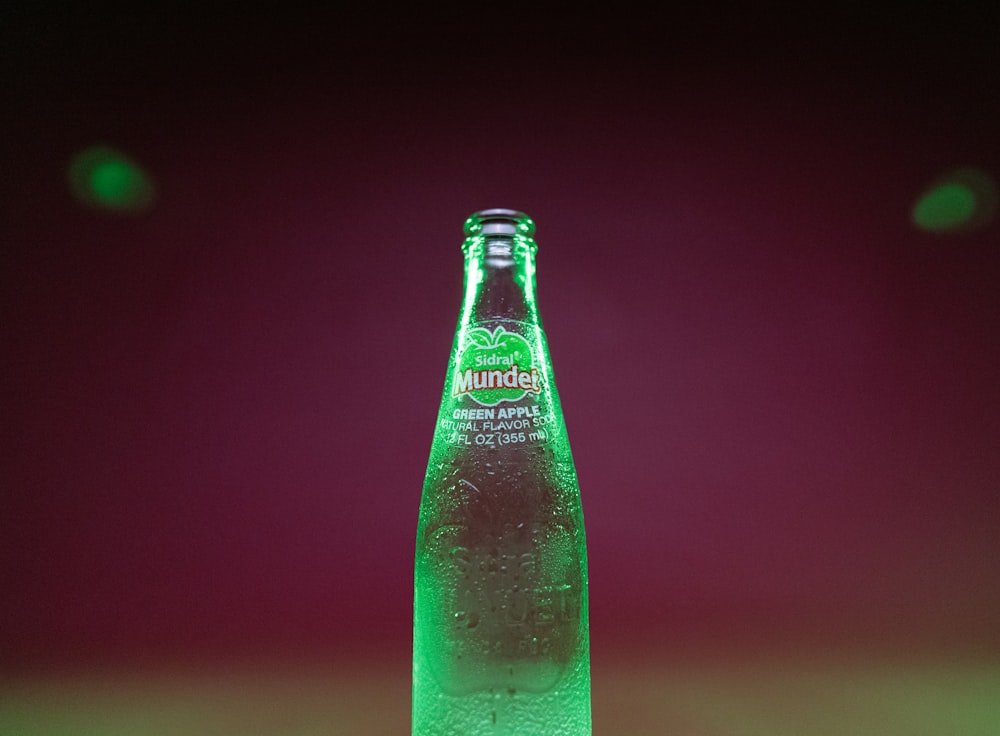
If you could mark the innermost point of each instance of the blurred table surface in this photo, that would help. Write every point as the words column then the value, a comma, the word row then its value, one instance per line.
column 749, row 696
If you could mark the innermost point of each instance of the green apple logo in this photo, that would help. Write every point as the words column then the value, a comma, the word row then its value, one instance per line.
column 496, row 366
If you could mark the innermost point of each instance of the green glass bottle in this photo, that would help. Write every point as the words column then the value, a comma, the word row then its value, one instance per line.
column 500, row 628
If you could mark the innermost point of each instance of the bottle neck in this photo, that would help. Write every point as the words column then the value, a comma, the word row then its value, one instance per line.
column 499, row 268
column 499, row 279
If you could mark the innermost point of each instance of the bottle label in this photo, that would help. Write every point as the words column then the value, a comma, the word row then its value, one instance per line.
column 496, row 367
column 498, row 394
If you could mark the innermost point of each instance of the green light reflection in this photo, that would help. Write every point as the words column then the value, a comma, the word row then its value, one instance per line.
column 963, row 200
column 105, row 178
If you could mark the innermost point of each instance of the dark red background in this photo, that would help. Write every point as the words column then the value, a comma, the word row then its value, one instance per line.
column 782, row 396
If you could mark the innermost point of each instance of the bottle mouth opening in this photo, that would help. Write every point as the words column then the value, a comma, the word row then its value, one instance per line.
column 499, row 222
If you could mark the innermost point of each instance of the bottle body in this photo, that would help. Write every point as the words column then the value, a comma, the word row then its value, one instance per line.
column 500, row 600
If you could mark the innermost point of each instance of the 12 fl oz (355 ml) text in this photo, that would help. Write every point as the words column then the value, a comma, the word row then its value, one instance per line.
column 497, row 439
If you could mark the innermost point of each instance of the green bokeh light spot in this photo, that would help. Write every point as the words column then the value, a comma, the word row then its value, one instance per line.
column 945, row 207
column 964, row 200
column 103, row 177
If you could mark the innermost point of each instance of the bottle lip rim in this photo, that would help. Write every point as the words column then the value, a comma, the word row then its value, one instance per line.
column 499, row 221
